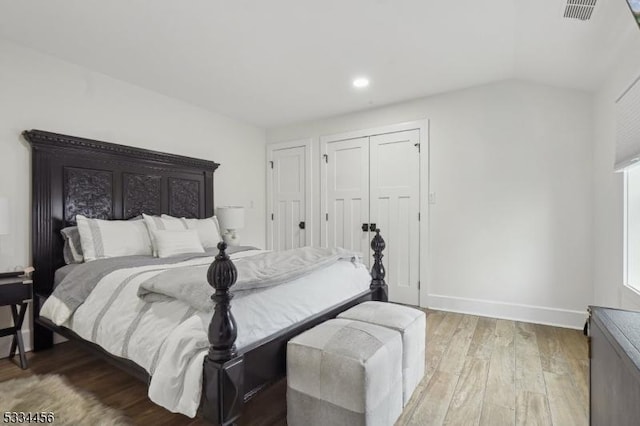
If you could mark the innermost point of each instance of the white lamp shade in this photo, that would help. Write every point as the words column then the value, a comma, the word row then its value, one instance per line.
column 231, row 217
column 5, row 223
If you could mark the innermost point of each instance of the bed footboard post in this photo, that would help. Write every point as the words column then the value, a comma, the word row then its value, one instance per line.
column 377, row 271
column 223, row 379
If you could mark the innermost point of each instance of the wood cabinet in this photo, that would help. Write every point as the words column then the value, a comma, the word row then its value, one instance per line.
column 614, row 370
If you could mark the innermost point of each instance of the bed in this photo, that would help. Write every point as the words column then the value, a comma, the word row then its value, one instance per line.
column 74, row 176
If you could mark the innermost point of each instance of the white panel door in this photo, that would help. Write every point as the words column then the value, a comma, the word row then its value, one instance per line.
column 395, row 206
column 346, row 195
column 288, row 198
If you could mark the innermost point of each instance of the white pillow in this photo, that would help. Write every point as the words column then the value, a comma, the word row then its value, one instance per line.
column 112, row 238
column 208, row 229
column 170, row 243
column 157, row 223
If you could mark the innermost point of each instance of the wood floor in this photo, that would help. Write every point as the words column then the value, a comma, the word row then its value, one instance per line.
column 498, row 372
column 479, row 371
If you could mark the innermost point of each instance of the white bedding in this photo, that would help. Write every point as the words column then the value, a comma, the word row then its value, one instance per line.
column 169, row 339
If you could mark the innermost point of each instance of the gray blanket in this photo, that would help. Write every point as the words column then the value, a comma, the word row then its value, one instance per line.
column 190, row 285
column 78, row 284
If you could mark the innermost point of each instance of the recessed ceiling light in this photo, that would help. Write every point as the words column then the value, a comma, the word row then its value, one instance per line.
column 361, row 82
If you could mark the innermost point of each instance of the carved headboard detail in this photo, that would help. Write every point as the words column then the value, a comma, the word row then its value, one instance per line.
column 73, row 176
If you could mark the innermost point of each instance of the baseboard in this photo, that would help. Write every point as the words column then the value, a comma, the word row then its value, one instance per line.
column 512, row 311
column 5, row 343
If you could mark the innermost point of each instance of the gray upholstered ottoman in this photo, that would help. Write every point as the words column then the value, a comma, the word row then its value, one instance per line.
column 344, row 372
column 411, row 323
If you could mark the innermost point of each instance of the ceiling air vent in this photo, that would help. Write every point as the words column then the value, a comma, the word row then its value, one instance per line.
column 579, row 9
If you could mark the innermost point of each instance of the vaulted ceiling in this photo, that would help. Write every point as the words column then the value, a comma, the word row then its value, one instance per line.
column 280, row 61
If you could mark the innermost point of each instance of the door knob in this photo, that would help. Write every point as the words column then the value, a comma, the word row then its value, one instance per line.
column 365, row 227
column 372, row 227
column 301, row 225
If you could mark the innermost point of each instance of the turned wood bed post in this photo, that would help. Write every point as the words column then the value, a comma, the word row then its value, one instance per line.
column 377, row 271
column 223, row 379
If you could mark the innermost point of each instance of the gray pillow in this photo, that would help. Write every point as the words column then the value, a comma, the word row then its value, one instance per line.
column 72, row 251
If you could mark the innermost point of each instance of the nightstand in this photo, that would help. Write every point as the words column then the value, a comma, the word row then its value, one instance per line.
column 16, row 292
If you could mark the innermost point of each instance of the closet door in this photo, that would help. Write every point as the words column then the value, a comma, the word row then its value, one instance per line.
column 345, row 200
column 395, row 206
column 288, row 198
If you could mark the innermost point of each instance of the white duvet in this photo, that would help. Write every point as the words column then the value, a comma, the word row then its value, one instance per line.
column 169, row 339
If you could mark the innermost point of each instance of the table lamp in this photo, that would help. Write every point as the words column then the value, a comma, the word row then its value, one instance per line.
column 231, row 218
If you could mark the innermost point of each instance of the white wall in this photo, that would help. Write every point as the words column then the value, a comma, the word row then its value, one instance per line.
column 511, row 230
column 40, row 92
column 608, row 186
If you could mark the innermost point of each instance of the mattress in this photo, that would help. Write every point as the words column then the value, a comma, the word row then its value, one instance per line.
column 169, row 338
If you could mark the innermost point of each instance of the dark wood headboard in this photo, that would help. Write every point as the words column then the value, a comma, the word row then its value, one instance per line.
column 103, row 180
